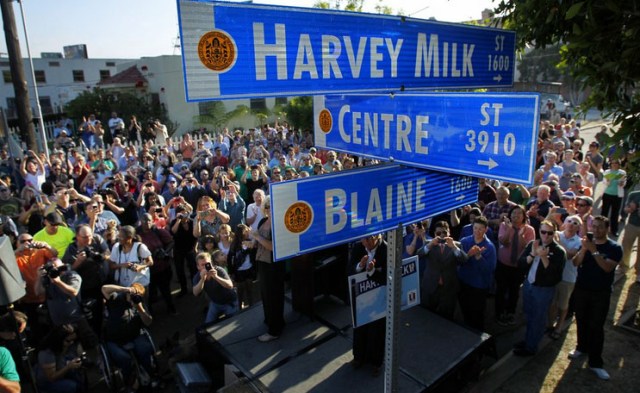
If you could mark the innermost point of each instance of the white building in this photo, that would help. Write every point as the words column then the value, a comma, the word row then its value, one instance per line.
column 59, row 81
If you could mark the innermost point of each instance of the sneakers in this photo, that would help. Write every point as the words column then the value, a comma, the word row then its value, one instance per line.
column 575, row 354
column 600, row 373
column 265, row 338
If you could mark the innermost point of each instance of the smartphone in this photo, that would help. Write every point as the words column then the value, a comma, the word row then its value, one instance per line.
column 590, row 236
column 562, row 210
column 208, row 266
column 38, row 199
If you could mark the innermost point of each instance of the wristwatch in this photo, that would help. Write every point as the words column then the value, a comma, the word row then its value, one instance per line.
column 595, row 254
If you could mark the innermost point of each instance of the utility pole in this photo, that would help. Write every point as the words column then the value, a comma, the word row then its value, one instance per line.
column 25, row 117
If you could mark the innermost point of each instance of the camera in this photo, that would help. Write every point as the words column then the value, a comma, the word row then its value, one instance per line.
column 136, row 298
column 54, row 271
column 442, row 240
column 84, row 358
column 561, row 211
column 590, row 236
column 208, row 266
column 94, row 255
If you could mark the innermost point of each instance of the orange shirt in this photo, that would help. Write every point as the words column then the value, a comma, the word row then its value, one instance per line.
column 29, row 262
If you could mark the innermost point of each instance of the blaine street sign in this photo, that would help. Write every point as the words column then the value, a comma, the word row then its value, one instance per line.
column 317, row 212
column 239, row 50
column 484, row 135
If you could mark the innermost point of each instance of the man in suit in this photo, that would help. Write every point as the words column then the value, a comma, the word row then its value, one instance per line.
column 440, row 280
column 370, row 255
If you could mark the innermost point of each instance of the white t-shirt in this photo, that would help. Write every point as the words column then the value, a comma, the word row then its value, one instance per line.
column 254, row 210
column 570, row 272
column 34, row 181
column 127, row 277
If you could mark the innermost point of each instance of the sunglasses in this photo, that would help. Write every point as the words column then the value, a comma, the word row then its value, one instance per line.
column 581, row 204
column 546, row 232
column 576, row 223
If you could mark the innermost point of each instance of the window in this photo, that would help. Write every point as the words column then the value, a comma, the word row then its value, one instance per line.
column 258, row 103
column 282, row 101
column 110, row 64
column 78, row 75
column 45, row 105
column 54, row 64
column 40, row 76
column 105, row 74
column 205, row 108
column 6, row 76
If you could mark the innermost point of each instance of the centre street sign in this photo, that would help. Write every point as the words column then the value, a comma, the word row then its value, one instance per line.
column 318, row 212
column 483, row 135
column 239, row 50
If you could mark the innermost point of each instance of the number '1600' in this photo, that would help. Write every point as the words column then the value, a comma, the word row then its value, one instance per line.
column 483, row 141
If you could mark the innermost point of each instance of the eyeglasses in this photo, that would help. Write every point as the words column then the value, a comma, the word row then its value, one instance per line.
column 576, row 223
column 441, row 233
column 582, row 204
column 546, row 232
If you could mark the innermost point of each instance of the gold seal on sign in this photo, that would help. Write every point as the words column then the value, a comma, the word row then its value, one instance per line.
column 325, row 120
column 217, row 51
column 298, row 217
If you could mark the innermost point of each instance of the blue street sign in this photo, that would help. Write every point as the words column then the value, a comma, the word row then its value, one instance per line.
column 484, row 135
column 321, row 211
column 369, row 298
column 232, row 50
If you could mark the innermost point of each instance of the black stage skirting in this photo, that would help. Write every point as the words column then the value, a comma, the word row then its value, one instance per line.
column 313, row 354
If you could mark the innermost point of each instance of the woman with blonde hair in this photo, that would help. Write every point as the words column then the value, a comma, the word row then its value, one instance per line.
column 225, row 238
column 208, row 217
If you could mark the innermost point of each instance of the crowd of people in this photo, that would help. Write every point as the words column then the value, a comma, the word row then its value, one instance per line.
column 98, row 231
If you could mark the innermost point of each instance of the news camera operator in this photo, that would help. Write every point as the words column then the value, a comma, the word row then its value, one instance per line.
column 88, row 256
column 60, row 362
column 61, row 287
column 126, row 317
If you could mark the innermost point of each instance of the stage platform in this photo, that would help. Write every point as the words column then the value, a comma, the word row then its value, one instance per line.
column 313, row 354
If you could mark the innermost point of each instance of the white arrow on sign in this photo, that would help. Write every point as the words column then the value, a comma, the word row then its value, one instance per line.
column 489, row 163
column 459, row 198
column 497, row 78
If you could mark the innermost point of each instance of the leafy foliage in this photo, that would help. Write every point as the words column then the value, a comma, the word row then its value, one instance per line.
column 600, row 42
column 217, row 116
column 101, row 103
column 300, row 112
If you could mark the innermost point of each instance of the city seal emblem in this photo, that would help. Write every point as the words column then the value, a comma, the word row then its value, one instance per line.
column 217, row 51
column 298, row 217
column 325, row 120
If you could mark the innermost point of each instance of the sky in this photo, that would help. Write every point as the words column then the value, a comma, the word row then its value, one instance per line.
column 137, row 28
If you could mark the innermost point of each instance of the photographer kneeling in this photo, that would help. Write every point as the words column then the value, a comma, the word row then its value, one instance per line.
column 88, row 256
column 125, row 319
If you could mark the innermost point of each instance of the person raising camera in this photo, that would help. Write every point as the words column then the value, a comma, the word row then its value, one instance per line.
column 215, row 282
column 61, row 287
column 126, row 317
column 88, row 256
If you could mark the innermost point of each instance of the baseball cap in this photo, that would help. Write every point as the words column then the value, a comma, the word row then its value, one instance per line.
column 587, row 199
column 569, row 195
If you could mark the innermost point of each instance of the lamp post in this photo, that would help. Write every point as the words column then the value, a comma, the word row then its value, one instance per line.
column 35, row 85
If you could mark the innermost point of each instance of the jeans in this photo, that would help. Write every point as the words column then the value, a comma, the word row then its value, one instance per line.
column 591, row 309
column 536, row 301
column 215, row 310
column 141, row 348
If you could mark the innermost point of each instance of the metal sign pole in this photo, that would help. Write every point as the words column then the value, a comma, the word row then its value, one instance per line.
column 394, row 290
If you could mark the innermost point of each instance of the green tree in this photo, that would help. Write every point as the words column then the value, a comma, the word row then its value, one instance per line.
column 300, row 112
column 102, row 102
column 217, row 116
column 600, row 42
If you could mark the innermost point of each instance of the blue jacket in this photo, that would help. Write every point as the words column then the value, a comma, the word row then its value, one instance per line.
column 478, row 273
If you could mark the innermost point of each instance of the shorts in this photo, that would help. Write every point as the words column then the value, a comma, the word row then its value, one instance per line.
column 563, row 293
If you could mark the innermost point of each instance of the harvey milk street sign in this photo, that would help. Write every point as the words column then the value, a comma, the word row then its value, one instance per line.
column 317, row 212
column 484, row 135
column 232, row 50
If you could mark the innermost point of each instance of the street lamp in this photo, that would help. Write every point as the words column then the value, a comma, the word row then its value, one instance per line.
column 35, row 85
